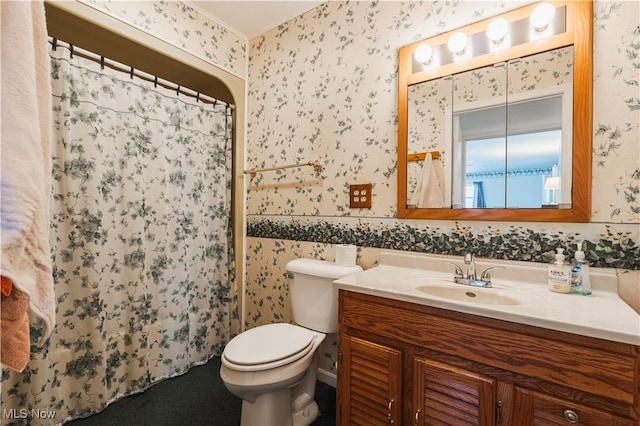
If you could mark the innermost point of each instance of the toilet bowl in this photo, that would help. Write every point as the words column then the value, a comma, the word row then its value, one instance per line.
column 276, row 379
column 273, row 367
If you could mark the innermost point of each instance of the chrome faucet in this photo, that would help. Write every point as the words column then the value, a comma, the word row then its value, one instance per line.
column 486, row 276
column 469, row 260
column 471, row 277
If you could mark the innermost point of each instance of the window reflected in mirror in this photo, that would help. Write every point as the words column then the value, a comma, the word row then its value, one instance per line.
column 510, row 174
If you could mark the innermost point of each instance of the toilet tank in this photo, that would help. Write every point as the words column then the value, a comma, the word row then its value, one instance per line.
column 314, row 300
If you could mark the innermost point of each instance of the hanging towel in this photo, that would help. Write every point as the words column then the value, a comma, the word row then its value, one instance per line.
column 15, row 327
column 26, row 164
column 428, row 193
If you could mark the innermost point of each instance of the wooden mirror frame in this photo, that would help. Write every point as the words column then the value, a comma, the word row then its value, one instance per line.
column 579, row 34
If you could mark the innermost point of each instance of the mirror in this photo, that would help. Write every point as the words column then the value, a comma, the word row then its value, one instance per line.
column 511, row 138
column 505, row 134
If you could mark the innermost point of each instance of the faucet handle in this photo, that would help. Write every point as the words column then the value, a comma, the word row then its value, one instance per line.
column 486, row 276
column 458, row 272
column 468, row 258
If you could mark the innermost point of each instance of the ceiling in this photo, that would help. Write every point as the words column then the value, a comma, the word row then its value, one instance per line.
column 252, row 18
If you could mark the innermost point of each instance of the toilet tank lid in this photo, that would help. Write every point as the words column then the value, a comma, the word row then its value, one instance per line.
column 320, row 268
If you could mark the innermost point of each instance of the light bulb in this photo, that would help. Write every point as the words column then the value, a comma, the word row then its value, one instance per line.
column 457, row 43
column 497, row 30
column 542, row 16
column 423, row 53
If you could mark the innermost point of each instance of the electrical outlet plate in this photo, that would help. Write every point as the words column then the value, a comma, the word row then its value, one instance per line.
column 360, row 196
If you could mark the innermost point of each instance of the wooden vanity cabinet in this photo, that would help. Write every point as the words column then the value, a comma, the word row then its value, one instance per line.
column 445, row 394
column 402, row 363
column 372, row 386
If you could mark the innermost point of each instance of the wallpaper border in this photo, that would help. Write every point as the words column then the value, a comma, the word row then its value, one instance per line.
column 606, row 246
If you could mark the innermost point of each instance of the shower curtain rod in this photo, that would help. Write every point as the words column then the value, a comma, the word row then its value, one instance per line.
column 315, row 164
column 74, row 50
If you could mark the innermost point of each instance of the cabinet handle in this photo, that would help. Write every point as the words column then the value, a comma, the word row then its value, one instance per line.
column 389, row 417
column 417, row 418
column 571, row 416
column 499, row 412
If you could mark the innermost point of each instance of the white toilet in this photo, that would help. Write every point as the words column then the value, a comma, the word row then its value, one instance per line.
column 273, row 367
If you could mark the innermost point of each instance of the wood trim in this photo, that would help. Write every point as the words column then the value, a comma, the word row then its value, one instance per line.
column 579, row 16
column 186, row 69
column 420, row 156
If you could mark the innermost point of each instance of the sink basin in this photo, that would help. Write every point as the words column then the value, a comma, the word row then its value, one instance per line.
column 469, row 294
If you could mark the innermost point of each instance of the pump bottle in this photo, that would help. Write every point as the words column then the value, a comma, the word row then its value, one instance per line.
column 559, row 274
column 580, row 281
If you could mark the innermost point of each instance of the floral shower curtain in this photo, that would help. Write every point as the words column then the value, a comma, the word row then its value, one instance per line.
column 141, row 242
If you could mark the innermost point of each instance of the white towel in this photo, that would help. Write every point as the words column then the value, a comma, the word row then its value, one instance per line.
column 25, row 156
column 428, row 192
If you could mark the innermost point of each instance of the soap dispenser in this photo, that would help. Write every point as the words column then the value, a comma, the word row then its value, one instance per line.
column 559, row 274
column 580, row 281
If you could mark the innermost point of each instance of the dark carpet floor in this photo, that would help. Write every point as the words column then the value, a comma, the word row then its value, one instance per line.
column 197, row 398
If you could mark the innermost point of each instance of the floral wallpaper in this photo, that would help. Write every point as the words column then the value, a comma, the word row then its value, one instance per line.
column 333, row 69
column 323, row 86
column 616, row 113
column 184, row 26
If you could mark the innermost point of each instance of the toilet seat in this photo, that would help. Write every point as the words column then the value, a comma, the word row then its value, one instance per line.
column 268, row 346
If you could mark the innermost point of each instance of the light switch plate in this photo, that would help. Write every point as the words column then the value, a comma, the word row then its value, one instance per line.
column 360, row 196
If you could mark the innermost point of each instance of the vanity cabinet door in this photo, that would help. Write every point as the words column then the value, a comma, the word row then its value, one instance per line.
column 534, row 408
column 448, row 395
column 370, row 385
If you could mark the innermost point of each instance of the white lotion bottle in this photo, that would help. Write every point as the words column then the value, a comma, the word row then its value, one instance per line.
column 580, row 280
column 559, row 274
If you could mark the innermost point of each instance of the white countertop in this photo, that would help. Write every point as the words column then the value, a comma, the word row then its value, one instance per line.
column 602, row 315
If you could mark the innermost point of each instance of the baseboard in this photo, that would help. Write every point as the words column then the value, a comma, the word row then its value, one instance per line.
column 327, row 377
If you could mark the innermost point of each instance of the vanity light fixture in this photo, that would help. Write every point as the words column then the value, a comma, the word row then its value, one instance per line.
column 542, row 16
column 497, row 30
column 570, row 31
column 457, row 43
column 423, row 53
